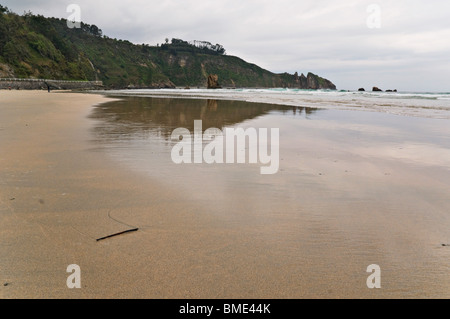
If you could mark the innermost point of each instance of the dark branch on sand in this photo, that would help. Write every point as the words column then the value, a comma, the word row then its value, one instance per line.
column 117, row 234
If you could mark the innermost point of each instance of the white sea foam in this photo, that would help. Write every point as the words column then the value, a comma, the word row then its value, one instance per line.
column 422, row 104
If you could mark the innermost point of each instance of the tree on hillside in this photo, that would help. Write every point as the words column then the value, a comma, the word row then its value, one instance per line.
column 3, row 9
column 94, row 30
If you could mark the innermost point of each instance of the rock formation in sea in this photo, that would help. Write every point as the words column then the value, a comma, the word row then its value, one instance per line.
column 315, row 82
column 213, row 81
column 300, row 81
column 303, row 81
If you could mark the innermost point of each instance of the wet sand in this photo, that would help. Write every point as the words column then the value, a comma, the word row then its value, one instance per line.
column 59, row 192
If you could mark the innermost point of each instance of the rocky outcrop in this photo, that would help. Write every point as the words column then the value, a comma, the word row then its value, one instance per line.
column 315, row 82
column 300, row 81
column 303, row 81
column 361, row 90
column 155, row 85
column 6, row 71
column 375, row 89
column 213, row 81
column 310, row 82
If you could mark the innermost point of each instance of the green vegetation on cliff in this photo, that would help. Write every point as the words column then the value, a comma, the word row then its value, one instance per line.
column 33, row 46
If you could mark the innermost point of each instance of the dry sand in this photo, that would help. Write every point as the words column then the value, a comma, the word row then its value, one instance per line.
column 58, row 194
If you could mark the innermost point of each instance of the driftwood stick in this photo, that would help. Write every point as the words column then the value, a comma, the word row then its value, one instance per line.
column 117, row 234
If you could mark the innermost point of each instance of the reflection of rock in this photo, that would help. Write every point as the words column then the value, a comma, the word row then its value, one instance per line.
column 138, row 115
column 182, row 118
column 212, row 105
column 375, row 89
column 361, row 90
column 213, row 81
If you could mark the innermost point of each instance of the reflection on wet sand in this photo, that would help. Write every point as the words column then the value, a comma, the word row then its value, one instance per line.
column 137, row 115
column 347, row 195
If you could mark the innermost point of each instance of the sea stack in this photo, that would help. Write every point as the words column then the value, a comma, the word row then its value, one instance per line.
column 213, row 81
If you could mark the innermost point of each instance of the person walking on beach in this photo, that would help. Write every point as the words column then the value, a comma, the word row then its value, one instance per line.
column 48, row 87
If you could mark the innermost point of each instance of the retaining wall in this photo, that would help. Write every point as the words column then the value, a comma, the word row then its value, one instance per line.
column 39, row 84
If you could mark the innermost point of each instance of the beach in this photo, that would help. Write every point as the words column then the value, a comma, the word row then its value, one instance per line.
column 77, row 167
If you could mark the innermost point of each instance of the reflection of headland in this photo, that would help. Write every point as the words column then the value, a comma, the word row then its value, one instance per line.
column 137, row 115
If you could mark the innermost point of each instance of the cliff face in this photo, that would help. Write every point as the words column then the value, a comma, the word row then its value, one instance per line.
column 193, row 70
column 310, row 82
column 38, row 47
column 316, row 82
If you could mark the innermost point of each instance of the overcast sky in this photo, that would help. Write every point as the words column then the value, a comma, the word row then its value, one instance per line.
column 398, row 44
